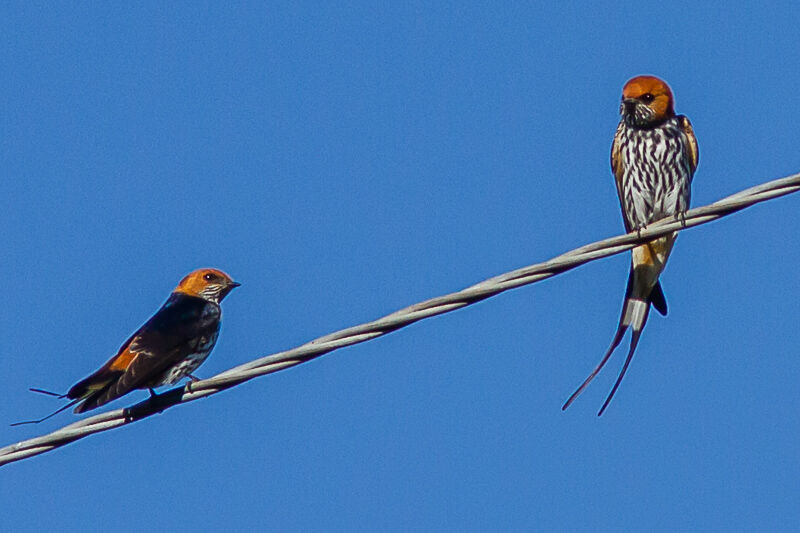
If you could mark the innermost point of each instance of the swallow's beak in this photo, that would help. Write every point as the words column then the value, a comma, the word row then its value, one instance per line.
column 629, row 103
column 234, row 284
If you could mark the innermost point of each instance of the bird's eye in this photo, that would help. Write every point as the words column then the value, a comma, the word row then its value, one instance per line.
column 647, row 98
column 209, row 277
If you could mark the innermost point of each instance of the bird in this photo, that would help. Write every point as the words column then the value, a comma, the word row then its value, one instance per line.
column 168, row 347
column 653, row 158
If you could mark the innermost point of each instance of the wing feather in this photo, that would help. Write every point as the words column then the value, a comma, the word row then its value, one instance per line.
column 694, row 152
column 618, row 168
column 162, row 342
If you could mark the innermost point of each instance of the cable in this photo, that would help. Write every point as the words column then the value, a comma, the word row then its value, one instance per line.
column 396, row 320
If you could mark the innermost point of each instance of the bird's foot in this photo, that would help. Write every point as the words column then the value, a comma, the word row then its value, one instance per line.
column 682, row 217
column 192, row 379
column 155, row 399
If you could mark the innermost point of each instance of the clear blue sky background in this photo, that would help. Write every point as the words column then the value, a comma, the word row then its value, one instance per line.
column 346, row 162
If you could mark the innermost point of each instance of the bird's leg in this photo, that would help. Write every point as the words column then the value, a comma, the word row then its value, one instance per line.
column 156, row 399
column 680, row 213
column 192, row 379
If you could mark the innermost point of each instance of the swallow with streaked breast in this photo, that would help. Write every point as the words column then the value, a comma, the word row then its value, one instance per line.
column 168, row 347
column 653, row 157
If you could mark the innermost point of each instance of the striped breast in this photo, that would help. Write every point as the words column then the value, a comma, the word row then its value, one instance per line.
column 655, row 171
column 208, row 331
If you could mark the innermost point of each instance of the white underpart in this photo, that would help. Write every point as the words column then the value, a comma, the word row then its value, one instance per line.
column 656, row 173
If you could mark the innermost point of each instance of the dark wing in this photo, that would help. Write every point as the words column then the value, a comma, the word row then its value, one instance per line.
column 166, row 339
column 618, row 168
column 694, row 152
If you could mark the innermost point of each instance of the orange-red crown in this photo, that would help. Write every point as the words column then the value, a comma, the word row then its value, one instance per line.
column 652, row 91
column 207, row 283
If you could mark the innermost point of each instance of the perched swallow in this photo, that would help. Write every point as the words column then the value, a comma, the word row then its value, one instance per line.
column 653, row 158
column 169, row 346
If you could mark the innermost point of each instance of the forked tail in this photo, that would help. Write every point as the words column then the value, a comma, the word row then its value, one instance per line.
column 85, row 396
column 54, row 413
column 635, row 310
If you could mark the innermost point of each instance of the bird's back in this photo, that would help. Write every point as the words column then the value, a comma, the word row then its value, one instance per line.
column 175, row 341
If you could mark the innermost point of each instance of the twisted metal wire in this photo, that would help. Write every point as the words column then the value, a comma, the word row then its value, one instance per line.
column 398, row 319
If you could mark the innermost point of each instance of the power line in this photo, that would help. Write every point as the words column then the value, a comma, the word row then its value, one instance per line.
column 398, row 319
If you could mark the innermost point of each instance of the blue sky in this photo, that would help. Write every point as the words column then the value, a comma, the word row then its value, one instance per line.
column 344, row 162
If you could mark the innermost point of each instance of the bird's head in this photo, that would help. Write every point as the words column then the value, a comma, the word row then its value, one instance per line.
column 646, row 101
column 207, row 283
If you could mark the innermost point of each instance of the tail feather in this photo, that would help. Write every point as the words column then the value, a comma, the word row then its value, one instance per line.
column 637, row 332
column 89, row 402
column 54, row 413
column 89, row 393
column 94, row 390
column 98, row 398
column 621, row 329
column 658, row 300
column 635, row 311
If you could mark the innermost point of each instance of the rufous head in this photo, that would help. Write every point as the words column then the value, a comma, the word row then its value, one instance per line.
column 207, row 283
column 646, row 101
